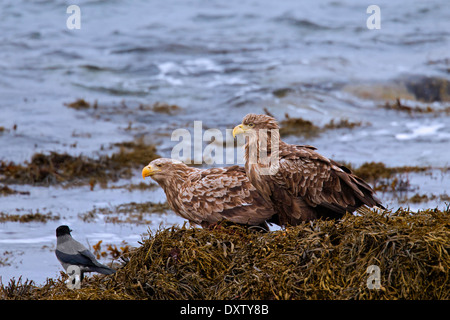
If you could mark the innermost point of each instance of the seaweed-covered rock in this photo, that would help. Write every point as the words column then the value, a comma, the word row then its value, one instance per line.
column 54, row 168
column 315, row 260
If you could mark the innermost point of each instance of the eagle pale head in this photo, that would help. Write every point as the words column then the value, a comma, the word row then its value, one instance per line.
column 254, row 122
column 162, row 168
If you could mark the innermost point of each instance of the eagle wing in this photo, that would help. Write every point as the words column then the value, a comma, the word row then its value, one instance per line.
column 224, row 193
column 319, row 182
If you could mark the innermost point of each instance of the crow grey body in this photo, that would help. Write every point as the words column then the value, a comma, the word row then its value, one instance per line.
column 71, row 252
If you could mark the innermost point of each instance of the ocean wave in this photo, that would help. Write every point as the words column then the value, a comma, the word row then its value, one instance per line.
column 421, row 131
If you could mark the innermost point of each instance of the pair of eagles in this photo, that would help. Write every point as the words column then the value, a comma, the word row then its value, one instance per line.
column 304, row 185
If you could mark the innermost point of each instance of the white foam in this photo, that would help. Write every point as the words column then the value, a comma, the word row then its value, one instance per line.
column 420, row 131
column 170, row 67
column 44, row 239
column 195, row 65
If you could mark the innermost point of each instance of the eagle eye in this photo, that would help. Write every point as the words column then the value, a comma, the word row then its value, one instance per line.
column 251, row 125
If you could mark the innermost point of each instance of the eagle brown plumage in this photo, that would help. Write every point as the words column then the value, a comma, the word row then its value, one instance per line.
column 208, row 196
column 303, row 185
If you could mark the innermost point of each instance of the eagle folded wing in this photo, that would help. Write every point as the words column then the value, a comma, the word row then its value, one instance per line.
column 319, row 181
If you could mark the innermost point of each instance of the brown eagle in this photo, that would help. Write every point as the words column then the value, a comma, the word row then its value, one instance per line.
column 301, row 184
column 208, row 196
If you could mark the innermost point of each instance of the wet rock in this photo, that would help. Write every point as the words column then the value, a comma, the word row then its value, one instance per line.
column 429, row 89
column 379, row 92
column 416, row 88
column 282, row 92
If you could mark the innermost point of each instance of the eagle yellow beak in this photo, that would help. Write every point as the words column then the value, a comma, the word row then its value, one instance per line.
column 148, row 171
column 239, row 129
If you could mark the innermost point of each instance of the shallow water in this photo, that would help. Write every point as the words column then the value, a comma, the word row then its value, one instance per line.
column 217, row 61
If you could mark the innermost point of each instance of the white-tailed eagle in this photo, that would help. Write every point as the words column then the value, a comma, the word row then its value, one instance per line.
column 301, row 184
column 208, row 196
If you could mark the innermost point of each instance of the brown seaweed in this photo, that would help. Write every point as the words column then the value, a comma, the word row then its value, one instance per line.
column 307, row 129
column 322, row 259
column 57, row 168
